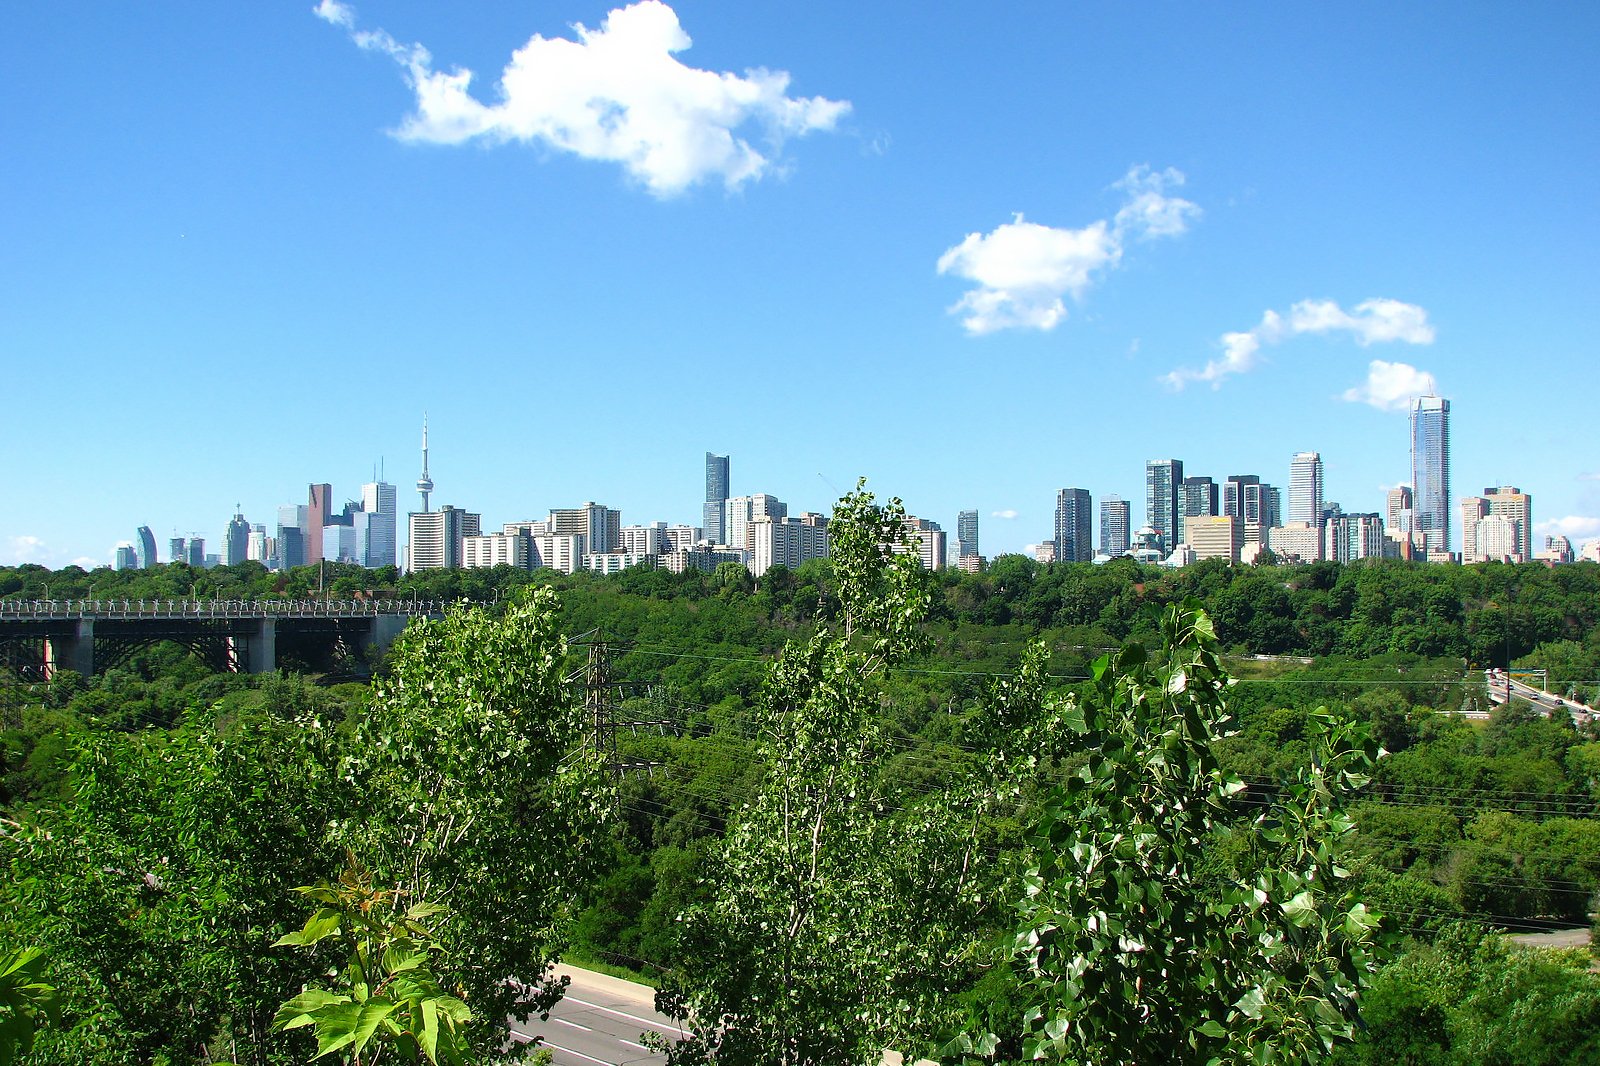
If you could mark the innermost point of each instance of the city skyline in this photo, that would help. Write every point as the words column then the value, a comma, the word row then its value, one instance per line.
column 228, row 278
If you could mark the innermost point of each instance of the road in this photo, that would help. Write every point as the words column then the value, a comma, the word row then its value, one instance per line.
column 599, row 1022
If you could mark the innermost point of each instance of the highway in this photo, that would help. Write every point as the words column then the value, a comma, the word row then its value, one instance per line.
column 599, row 1022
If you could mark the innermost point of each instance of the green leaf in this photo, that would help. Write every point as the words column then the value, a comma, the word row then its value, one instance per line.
column 299, row 1010
column 324, row 923
column 429, row 1037
column 1301, row 911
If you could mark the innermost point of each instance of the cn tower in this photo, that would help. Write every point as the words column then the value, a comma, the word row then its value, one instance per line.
column 424, row 483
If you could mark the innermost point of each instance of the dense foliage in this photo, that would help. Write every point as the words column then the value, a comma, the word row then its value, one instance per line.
column 182, row 807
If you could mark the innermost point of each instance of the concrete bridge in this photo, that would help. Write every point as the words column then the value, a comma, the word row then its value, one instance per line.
column 40, row 637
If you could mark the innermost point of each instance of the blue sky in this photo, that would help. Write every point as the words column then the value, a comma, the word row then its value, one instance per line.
column 975, row 252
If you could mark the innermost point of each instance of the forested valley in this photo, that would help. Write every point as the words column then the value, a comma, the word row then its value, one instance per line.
column 842, row 808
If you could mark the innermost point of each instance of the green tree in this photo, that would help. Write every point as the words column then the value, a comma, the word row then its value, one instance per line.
column 836, row 921
column 477, row 789
column 1129, row 952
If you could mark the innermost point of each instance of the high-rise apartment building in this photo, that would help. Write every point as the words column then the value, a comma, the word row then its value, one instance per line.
column 1305, row 487
column 716, row 498
column 177, row 550
column 379, row 504
column 930, row 540
column 1162, row 479
column 127, row 558
column 1348, row 537
column 1074, row 526
column 790, row 542
column 967, row 535
column 599, row 525
column 739, row 511
column 196, row 556
column 1116, row 525
column 436, row 536
column 497, row 549
column 1430, row 471
column 1197, row 498
column 236, row 548
column 1510, row 502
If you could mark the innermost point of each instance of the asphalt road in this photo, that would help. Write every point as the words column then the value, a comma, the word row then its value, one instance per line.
column 599, row 1022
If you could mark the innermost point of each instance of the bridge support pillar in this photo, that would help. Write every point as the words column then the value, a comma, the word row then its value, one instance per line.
column 75, row 652
column 385, row 628
column 261, row 647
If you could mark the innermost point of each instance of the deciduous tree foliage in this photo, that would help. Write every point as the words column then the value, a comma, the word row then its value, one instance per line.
column 836, row 919
column 1127, row 953
column 478, row 794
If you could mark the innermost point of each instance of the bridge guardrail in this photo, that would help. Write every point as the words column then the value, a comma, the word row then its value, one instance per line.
column 52, row 610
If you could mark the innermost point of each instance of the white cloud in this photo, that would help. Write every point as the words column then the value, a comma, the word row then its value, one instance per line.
column 336, row 13
column 1576, row 527
column 615, row 94
column 1374, row 321
column 1024, row 270
column 1007, row 514
column 28, row 549
column 1591, row 475
column 1392, row 386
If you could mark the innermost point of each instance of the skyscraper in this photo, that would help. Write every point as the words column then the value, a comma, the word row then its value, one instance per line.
column 1197, row 498
column 177, row 550
column 145, row 548
column 1430, row 471
column 127, row 558
column 1074, row 525
column 1255, row 503
column 319, row 509
column 236, row 547
column 379, row 504
column 291, row 538
column 716, row 497
column 967, row 535
column 1162, row 478
column 1305, row 487
column 1115, row 526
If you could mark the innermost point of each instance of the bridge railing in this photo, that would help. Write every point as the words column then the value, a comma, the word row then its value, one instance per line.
column 48, row 610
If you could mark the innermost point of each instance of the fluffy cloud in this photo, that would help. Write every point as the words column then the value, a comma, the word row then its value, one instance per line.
column 1024, row 270
column 1574, row 527
column 1371, row 322
column 1392, row 386
column 27, row 549
column 1007, row 514
column 615, row 94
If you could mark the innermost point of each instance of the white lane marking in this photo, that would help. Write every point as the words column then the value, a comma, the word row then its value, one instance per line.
column 581, row 1055
column 575, row 1025
column 665, row 1027
column 631, row 1043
